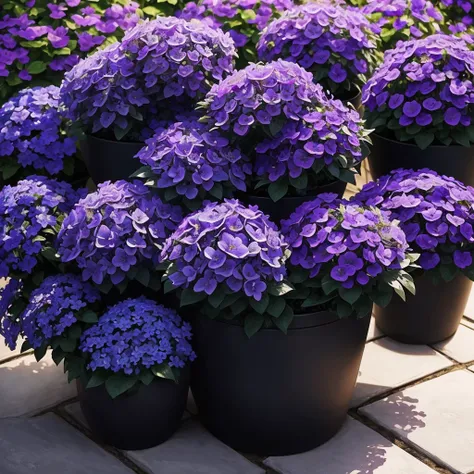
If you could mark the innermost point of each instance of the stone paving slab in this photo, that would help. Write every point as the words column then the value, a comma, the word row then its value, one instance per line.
column 460, row 347
column 28, row 387
column 439, row 420
column 356, row 449
column 388, row 364
column 49, row 445
column 374, row 331
column 193, row 450
column 5, row 352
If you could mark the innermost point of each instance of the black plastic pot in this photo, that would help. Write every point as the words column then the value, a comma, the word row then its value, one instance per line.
column 351, row 97
column 431, row 316
column 110, row 160
column 277, row 394
column 387, row 155
column 141, row 419
column 283, row 208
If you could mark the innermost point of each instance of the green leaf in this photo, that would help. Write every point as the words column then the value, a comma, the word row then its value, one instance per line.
column 217, row 191
column 57, row 355
column 276, row 307
column 277, row 190
column 68, row 345
column 97, row 379
column 448, row 272
column 424, row 140
column 36, row 67
column 284, row 320
column 329, row 285
column 146, row 377
column 350, row 295
column 260, row 306
column 316, row 300
column 163, row 371
column 89, row 317
column 253, row 323
column 397, row 286
column 301, row 182
column 275, row 126
column 280, row 289
column 189, row 296
column 168, row 286
column 118, row 384
column 239, row 306
column 382, row 298
column 40, row 352
column 143, row 276
column 344, row 310
column 9, row 170
column 217, row 297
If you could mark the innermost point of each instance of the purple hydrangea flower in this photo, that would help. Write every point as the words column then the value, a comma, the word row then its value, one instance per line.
column 156, row 63
column 459, row 14
column 136, row 335
column 9, row 327
column 113, row 233
column 423, row 92
column 308, row 130
column 335, row 44
column 435, row 212
column 190, row 162
column 33, row 133
column 225, row 246
column 30, row 214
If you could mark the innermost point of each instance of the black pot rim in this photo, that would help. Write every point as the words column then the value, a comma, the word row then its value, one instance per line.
column 290, row 198
column 397, row 142
column 106, row 140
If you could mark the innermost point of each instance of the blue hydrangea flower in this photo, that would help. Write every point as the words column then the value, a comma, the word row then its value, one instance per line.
column 9, row 327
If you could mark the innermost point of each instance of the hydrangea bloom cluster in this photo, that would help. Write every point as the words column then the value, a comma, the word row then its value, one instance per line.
column 311, row 135
column 396, row 20
column 33, row 133
column 114, row 232
column 335, row 44
column 190, row 162
column 243, row 19
column 424, row 92
column 9, row 326
column 159, row 60
column 30, row 214
column 226, row 245
column 136, row 335
column 435, row 212
column 53, row 308
column 51, row 37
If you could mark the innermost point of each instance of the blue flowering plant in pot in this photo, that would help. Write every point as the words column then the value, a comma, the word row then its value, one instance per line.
column 420, row 104
column 300, row 142
column 335, row 44
column 437, row 215
column 188, row 164
column 117, row 93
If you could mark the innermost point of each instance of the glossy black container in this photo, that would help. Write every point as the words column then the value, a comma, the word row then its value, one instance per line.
column 277, row 394
column 431, row 316
column 110, row 160
column 139, row 419
column 283, row 208
column 455, row 161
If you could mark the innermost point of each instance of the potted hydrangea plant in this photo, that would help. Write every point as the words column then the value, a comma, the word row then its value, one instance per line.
column 114, row 236
column 33, row 136
column 131, row 361
column 333, row 43
column 301, row 143
column 189, row 164
column 251, row 335
column 115, row 93
column 420, row 103
column 437, row 215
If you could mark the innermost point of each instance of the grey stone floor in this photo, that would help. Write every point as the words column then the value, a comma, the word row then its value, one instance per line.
column 412, row 413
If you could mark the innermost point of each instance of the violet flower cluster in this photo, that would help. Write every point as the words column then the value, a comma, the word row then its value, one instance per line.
column 297, row 135
column 193, row 164
column 424, row 93
column 30, row 214
column 33, row 133
column 435, row 212
column 156, row 62
column 54, row 307
column 459, row 14
column 335, row 44
column 116, row 232
column 137, row 335
column 9, row 325
column 228, row 246
column 51, row 37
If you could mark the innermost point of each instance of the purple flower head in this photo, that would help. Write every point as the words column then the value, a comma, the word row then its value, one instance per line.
column 30, row 214
column 429, row 83
column 135, row 336
column 114, row 232
column 33, row 132
column 436, row 213
column 229, row 247
column 9, row 325
column 194, row 164
column 157, row 63
column 336, row 44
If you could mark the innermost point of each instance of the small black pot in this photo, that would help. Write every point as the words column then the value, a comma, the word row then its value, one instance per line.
column 351, row 97
column 140, row 419
column 455, row 161
column 283, row 208
column 277, row 394
column 431, row 316
column 110, row 160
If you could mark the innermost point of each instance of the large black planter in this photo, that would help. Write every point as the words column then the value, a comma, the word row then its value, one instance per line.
column 110, row 160
column 387, row 155
column 277, row 394
column 141, row 419
column 283, row 208
column 431, row 316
